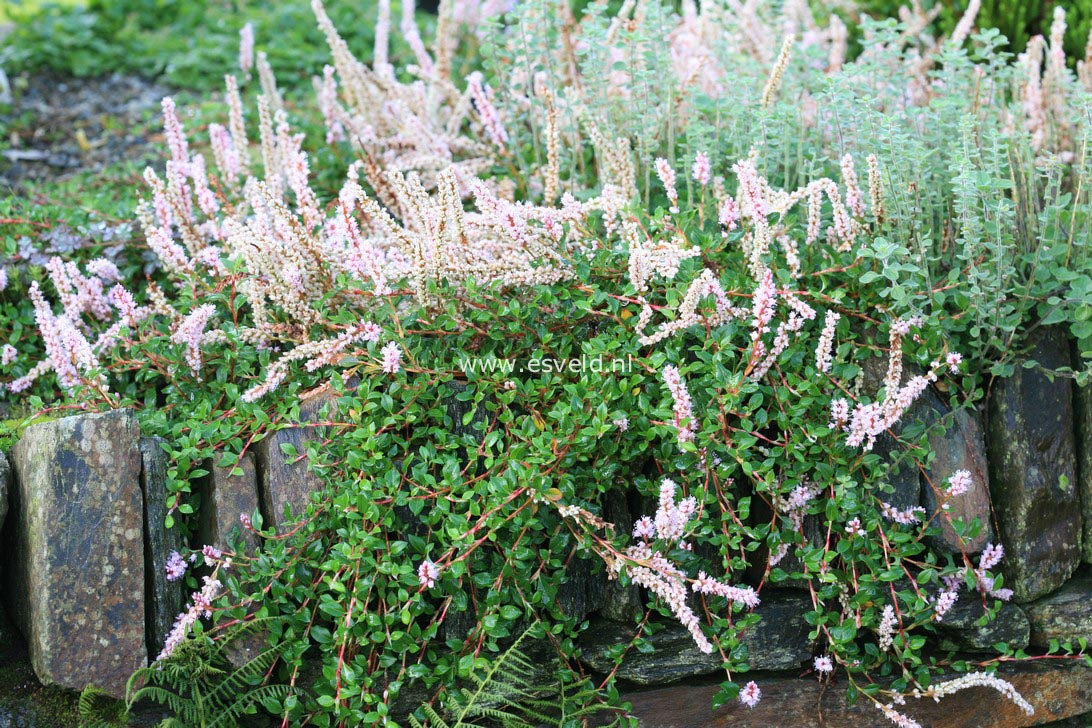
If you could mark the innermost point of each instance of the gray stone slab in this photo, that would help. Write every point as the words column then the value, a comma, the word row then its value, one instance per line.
column 164, row 598
column 76, row 571
column 224, row 497
column 1033, row 480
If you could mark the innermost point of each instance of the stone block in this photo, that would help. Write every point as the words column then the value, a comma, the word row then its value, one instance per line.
column 5, row 487
column 1032, row 476
column 76, row 567
column 288, row 480
column 958, row 444
column 778, row 642
column 961, row 625
column 1056, row 692
column 1065, row 615
column 164, row 599
column 1082, row 405
column 224, row 497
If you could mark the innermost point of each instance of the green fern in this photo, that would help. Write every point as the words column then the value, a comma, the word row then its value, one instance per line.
column 508, row 694
column 198, row 686
column 97, row 709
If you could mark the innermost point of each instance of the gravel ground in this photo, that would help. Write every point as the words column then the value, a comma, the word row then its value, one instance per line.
column 59, row 126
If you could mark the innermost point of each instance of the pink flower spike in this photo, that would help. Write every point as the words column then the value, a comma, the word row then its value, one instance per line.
column 392, row 358
column 823, row 664
column 728, row 215
column 370, row 332
column 667, row 177
column 750, row 694
column 702, row 169
column 945, row 600
column 684, row 415
column 428, row 573
column 189, row 334
column 211, row 554
column 176, row 137
column 644, row 529
column 175, row 566
column 487, row 111
column 246, row 49
column 960, row 482
column 991, row 556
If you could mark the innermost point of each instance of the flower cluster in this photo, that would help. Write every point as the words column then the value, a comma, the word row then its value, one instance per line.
column 651, row 569
column 427, row 574
column 175, row 566
column 750, row 694
column 684, row 414
column 189, row 332
column 200, row 606
column 667, row 177
column 959, row 483
column 888, row 623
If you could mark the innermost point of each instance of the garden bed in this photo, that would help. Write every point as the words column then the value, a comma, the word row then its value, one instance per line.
column 546, row 355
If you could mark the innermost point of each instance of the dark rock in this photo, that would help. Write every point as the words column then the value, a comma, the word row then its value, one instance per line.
column 572, row 595
column 961, row 625
column 814, row 533
column 615, row 601
column 286, row 479
column 76, row 570
column 1064, row 615
column 902, row 486
column 957, row 444
column 412, row 694
column 1056, row 692
column 224, row 497
column 1032, row 477
column 458, row 409
column 458, row 623
column 246, row 646
column 675, row 656
column 1082, row 403
column 5, row 486
column 778, row 642
column 164, row 598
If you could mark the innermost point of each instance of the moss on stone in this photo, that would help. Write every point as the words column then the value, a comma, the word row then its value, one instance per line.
column 12, row 429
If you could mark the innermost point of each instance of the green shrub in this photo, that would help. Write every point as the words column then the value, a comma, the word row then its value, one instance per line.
column 1017, row 20
column 187, row 43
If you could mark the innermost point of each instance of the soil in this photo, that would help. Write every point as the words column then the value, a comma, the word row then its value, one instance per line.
column 59, row 126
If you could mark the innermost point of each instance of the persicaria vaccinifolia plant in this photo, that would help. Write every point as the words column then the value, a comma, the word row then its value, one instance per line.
column 668, row 190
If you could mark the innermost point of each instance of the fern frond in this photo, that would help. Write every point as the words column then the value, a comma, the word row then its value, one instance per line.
column 435, row 720
column 239, row 679
column 91, row 708
column 197, row 685
column 496, row 673
column 228, row 717
column 180, row 706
